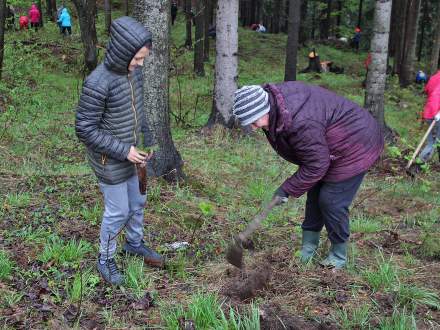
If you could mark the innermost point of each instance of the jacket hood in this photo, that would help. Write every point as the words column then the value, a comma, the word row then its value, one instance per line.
column 127, row 36
column 281, row 115
column 34, row 6
column 64, row 11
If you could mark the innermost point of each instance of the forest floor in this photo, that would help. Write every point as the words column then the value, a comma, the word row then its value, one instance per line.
column 50, row 209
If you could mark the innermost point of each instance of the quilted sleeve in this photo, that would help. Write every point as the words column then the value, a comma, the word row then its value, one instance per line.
column 88, row 116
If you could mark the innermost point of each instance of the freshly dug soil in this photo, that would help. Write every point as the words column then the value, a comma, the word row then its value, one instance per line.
column 246, row 284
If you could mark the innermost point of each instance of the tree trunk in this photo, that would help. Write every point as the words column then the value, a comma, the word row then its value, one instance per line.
column 422, row 27
column 2, row 33
column 226, row 64
column 86, row 16
column 207, row 22
column 127, row 8
column 54, row 10
column 376, row 78
column 399, row 35
column 199, row 68
column 40, row 8
column 324, row 22
column 433, row 66
column 412, row 21
column 329, row 18
column 49, row 8
column 338, row 19
column 303, row 35
column 277, row 17
column 312, row 34
column 360, row 12
column 292, row 40
column 188, row 41
column 108, row 15
column 155, row 14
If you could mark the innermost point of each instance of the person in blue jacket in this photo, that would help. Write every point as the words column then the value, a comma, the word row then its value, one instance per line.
column 65, row 23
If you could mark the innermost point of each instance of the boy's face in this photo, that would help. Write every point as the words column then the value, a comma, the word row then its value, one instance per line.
column 138, row 59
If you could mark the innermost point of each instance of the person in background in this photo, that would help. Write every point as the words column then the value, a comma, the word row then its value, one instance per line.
column 174, row 10
column 332, row 140
column 59, row 11
column 356, row 38
column 421, row 77
column 34, row 17
column 24, row 22
column 109, row 120
column 431, row 112
column 65, row 22
column 261, row 28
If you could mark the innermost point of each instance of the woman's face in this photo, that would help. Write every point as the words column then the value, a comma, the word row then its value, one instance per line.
column 262, row 122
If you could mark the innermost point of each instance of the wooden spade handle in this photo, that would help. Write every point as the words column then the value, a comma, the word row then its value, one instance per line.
column 420, row 144
column 255, row 223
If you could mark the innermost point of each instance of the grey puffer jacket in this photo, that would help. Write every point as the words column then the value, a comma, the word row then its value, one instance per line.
column 110, row 114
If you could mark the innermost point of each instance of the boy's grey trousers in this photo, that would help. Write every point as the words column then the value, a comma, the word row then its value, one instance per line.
column 123, row 206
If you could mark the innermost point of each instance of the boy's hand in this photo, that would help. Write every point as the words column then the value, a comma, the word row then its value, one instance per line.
column 437, row 117
column 135, row 157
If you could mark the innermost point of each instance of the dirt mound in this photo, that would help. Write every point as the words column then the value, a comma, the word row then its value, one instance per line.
column 272, row 317
column 246, row 284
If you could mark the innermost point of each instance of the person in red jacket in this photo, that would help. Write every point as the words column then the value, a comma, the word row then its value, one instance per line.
column 34, row 16
column 431, row 112
column 24, row 22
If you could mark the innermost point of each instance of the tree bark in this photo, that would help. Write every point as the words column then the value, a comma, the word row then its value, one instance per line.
column 49, row 8
column 399, row 35
column 376, row 78
column 433, row 65
column 199, row 68
column 361, row 2
column 302, row 27
column 108, row 15
column 188, row 41
column 207, row 22
column 423, row 28
column 338, row 19
column 54, row 10
column 226, row 65
column 155, row 15
column 292, row 40
column 127, row 7
column 276, row 15
column 86, row 16
column 412, row 21
column 325, row 19
column 40, row 8
column 2, row 33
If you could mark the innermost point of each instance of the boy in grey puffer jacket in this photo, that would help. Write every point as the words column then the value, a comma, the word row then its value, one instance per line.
column 109, row 121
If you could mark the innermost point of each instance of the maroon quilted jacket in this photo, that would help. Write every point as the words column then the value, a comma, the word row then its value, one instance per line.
column 331, row 138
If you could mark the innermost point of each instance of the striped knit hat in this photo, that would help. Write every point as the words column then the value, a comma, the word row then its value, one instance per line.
column 250, row 104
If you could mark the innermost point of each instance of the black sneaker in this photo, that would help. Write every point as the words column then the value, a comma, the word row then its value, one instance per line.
column 110, row 272
column 151, row 257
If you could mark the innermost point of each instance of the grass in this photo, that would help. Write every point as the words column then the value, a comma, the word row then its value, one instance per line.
column 357, row 318
column 6, row 265
column 382, row 277
column 135, row 278
column 365, row 224
column 49, row 196
column 400, row 320
column 63, row 253
column 82, row 285
column 205, row 311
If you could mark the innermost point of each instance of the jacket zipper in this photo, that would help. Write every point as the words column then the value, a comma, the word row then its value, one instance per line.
column 133, row 108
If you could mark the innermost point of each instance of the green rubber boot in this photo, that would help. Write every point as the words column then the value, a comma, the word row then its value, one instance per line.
column 310, row 242
column 337, row 257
